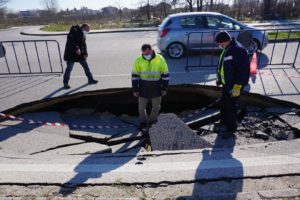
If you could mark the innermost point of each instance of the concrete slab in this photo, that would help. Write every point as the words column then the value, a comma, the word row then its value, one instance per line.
column 80, row 149
column 127, row 135
column 171, row 133
column 105, row 120
column 291, row 118
column 24, row 141
column 93, row 170
column 128, row 146
column 51, row 117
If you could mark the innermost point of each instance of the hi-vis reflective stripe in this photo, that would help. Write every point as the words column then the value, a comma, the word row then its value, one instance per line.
column 221, row 67
column 228, row 58
column 150, row 73
column 135, row 78
column 165, row 78
column 150, row 79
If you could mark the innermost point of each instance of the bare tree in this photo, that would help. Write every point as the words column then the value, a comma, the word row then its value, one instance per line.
column 3, row 3
column 174, row 4
column 120, row 8
column 2, row 6
column 199, row 5
column 190, row 4
column 50, row 5
column 211, row 5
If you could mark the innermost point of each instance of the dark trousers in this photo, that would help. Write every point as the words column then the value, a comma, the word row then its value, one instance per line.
column 228, row 110
column 69, row 69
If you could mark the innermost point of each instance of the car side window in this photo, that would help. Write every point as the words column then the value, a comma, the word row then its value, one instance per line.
column 166, row 22
column 192, row 22
column 219, row 23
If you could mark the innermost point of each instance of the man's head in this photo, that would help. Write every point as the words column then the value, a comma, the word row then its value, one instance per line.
column 147, row 51
column 85, row 27
column 223, row 39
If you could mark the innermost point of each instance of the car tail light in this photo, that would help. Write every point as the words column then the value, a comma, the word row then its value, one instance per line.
column 164, row 32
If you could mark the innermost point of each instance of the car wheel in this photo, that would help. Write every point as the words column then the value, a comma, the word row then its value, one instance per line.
column 254, row 46
column 176, row 50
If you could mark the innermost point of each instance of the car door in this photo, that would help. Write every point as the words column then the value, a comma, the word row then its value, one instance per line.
column 191, row 25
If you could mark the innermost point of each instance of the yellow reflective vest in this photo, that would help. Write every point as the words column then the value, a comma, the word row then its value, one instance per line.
column 150, row 77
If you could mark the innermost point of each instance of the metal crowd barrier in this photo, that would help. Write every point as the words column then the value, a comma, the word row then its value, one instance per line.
column 202, row 51
column 31, row 57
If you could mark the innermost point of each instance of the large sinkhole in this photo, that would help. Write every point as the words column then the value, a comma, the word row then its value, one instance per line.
column 110, row 117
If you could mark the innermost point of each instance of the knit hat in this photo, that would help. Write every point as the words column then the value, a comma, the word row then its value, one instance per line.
column 222, row 36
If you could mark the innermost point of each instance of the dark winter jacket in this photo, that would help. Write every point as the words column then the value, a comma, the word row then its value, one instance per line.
column 75, row 40
column 236, row 65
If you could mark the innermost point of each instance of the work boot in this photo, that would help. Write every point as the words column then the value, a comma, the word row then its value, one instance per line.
column 143, row 125
column 93, row 81
column 67, row 86
column 152, row 122
column 219, row 127
column 228, row 134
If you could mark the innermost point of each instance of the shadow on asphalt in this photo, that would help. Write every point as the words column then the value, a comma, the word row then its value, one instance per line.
column 209, row 185
column 70, row 91
column 21, row 85
column 9, row 131
column 92, row 163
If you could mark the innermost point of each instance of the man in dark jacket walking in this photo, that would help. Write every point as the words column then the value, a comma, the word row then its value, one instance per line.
column 233, row 74
column 76, row 51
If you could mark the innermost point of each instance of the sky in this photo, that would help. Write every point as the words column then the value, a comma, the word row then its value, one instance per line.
column 18, row 5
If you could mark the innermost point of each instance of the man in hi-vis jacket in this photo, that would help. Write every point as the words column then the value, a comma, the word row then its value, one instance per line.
column 150, row 80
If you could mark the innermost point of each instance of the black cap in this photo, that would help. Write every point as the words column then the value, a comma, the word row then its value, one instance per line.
column 146, row 46
column 222, row 36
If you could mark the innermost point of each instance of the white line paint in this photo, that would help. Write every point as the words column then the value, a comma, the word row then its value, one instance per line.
column 128, row 75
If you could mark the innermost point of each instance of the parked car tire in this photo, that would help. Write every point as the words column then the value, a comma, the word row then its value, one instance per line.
column 176, row 50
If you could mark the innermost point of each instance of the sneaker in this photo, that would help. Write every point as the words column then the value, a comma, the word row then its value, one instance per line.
column 93, row 81
column 67, row 86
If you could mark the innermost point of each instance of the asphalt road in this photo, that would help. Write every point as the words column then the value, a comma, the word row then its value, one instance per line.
column 111, row 56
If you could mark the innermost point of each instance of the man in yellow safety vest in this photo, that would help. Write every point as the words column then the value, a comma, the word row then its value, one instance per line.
column 150, row 80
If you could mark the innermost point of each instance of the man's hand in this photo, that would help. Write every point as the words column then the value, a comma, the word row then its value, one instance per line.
column 78, row 52
column 163, row 93
column 236, row 90
column 136, row 94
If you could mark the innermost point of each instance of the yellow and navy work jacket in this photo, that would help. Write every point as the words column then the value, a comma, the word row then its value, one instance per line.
column 150, row 77
column 234, row 66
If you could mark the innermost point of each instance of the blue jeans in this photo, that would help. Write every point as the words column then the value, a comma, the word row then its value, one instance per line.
column 69, row 69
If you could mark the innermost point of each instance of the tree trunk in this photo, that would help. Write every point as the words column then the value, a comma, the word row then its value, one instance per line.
column 199, row 5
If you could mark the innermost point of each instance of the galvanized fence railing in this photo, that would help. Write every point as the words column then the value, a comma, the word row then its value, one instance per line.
column 31, row 57
column 274, row 47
